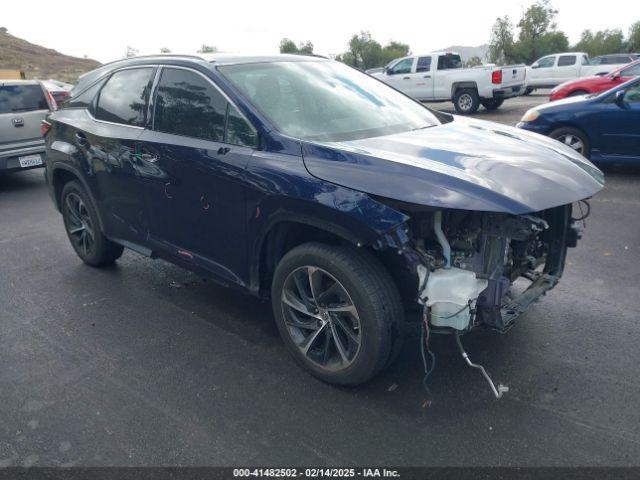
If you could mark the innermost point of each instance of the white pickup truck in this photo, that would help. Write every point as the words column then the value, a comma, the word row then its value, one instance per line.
column 439, row 76
column 552, row 70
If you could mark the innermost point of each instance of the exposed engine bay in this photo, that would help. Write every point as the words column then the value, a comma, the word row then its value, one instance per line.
column 470, row 260
column 469, row 263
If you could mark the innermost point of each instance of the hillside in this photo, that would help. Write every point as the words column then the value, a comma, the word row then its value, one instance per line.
column 40, row 62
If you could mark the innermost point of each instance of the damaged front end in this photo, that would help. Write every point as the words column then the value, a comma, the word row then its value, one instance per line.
column 484, row 268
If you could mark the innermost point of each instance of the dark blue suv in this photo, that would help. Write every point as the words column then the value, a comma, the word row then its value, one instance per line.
column 304, row 181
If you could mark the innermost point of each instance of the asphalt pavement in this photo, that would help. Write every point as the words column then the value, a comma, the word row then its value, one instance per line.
column 147, row 364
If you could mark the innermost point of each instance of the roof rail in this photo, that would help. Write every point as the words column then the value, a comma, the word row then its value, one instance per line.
column 152, row 56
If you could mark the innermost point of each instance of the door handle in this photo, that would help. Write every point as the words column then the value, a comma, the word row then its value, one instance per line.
column 223, row 150
column 81, row 139
column 406, row 78
column 427, row 76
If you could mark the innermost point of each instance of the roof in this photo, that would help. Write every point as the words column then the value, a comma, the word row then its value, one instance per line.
column 234, row 59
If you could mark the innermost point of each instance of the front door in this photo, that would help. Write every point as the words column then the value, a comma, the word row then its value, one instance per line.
column 196, row 155
column 399, row 75
column 620, row 126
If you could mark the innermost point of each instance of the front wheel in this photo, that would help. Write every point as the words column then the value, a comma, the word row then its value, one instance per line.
column 83, row 228
column 338, row 312
column 492, row 103
column 573, row 138
column 466, row 101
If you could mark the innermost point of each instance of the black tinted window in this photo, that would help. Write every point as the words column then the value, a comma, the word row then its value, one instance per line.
column 187, row 104
column 566, row 60
column 22, row 98
column 424, row 64
column 446, row 62
column 124, row 97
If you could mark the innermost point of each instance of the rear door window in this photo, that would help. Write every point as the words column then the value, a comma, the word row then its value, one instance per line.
column 424, row 64
column 447, row 62
column 22, row 98
column 125, row 97
column 566, row 60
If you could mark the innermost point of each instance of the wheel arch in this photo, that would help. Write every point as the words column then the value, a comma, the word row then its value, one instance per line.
column 460, row 85
column 61, row 174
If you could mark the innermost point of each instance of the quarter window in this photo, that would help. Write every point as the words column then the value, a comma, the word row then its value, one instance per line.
column 125, row 96
column 566, row 60
column 424, row 64
column 188, row 104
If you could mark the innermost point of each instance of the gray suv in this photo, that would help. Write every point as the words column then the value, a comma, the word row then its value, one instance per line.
column 23, row 106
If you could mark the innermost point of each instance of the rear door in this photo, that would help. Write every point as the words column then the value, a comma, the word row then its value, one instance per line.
column 568, row 67
column 108, row 142
column 422, row 79
column 196, row 154
column 22, row 109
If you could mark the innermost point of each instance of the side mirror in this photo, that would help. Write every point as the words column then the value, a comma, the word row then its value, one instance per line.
column 619, row 99
column 535, row 65
column 615, row 76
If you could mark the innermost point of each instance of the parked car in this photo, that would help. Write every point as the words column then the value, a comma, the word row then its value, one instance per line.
column 584, row 86
column 603, row 127
column 59, row 90
column 305, row 181
column 552, row 70
column 23, row 106
column 440, row 77
column 614, row 59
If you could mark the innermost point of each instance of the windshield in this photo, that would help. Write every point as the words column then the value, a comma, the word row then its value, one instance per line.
column 326, row 101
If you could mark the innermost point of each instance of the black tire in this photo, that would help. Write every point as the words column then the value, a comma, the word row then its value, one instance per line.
column 371, row 291
column 492, row 103
column 562, row 134
column 466, row 101
column 578, row 93
column 80, row 219
column 528, row 91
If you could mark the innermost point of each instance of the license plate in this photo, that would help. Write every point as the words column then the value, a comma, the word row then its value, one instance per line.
column 30, row 160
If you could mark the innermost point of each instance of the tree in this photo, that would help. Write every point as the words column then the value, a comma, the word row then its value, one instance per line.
column 633, row 43
column 289, row 46
column 473, row 62
column 364, row 52
column 207, row 49
column 131, row 52
column 502, row 48
column 165, row 50
column 601, row 42
column 394, row 50
column 536, row 23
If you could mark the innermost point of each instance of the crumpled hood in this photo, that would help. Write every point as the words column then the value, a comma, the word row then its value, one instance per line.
column 464, row 164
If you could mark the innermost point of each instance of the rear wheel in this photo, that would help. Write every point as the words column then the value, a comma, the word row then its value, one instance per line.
column 492, row 103
column 573, row 138
column 338, row 312
column 83, row 228
column 466, row 101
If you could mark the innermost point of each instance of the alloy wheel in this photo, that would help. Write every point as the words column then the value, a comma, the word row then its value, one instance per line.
column 79, row 225
column 572, row 141
column 321, row 318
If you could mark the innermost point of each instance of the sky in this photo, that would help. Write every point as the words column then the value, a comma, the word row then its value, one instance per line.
column 103, row 29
